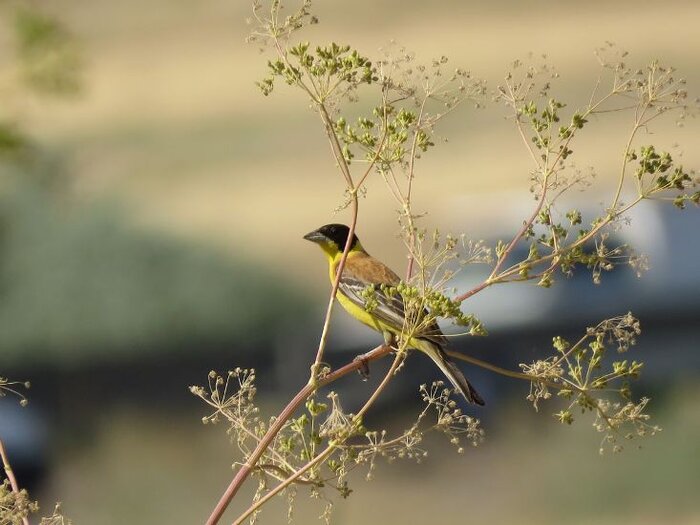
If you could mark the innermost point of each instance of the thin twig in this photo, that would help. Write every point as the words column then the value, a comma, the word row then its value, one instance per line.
column 10, row 475
column 407, row 201
column 345, row 169
column 497, row 369
column 334, row 291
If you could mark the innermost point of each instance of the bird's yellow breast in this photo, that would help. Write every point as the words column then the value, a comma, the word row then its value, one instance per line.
column 353, row 309
column 359, row 313
column 365, row 317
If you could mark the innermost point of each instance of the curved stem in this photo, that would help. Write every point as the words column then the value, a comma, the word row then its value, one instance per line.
column 493, row 368
column 409, row 188
column 387, row 377
column 625, row 158
column 345, row 169
column 335, row 146
column 504, row 371
column 334, row 291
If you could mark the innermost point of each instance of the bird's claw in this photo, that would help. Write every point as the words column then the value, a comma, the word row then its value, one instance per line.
column 363, row 370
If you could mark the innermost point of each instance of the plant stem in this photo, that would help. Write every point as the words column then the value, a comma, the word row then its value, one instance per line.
column 489, row 366
column 334, row 291
column 10, row 475
column 499, row 370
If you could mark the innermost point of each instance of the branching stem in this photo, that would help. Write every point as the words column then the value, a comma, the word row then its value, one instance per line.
column 245, row 469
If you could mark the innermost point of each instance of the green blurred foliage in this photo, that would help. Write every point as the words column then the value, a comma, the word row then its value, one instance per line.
column 12, row 141
column 50, row 63
column 48, row 54
column 77, row 282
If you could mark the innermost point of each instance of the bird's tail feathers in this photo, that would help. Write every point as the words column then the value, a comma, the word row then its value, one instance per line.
column 451, row 371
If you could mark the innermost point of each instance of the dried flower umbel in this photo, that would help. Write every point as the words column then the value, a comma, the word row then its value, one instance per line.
column 13, row 388
column 580, row 374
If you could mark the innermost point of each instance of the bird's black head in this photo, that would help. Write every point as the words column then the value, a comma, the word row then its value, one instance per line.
column 335, row 235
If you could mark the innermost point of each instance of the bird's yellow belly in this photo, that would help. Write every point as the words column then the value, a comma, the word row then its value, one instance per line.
column 359, row 313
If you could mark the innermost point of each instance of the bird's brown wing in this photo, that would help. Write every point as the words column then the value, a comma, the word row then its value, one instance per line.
column 362, row 271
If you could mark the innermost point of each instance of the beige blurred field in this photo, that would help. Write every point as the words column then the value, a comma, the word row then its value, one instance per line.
column 172, row 125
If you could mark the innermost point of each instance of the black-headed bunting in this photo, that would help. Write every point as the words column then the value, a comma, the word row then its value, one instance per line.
column 388, row 315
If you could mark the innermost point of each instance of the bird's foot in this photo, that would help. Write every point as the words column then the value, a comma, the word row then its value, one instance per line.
column 363, row 370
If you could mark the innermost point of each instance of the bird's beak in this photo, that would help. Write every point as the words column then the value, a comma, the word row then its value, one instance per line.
column 315, row 236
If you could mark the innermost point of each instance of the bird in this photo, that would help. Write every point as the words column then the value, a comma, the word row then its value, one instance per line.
column 387, row 313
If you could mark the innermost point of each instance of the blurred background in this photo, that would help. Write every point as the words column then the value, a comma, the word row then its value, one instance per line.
column 149, row 189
